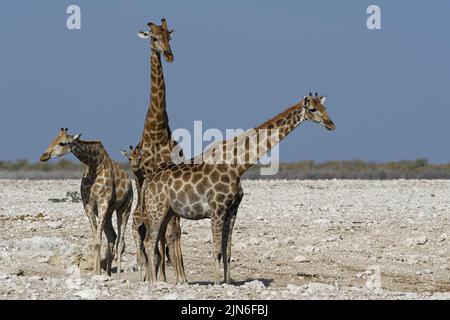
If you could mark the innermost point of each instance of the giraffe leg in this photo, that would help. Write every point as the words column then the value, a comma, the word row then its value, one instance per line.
column 230, row 220
column 142, row 233
column 122, row 220
column 217, row 250
column 103, row 210
column 91, row 212
column 162, row 250
column 138, row 240
column 177, row 259
column 227, row 232
column 154, row 258
column 111, row 240
column 168, row 235
column 157, row 223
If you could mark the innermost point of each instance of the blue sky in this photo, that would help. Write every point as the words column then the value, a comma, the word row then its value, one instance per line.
column 237, row 63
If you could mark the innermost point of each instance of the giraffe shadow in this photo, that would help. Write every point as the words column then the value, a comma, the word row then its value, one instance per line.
column 265, row 281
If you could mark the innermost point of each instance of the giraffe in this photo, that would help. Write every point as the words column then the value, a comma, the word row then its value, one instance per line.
column 138, row 225
column 155, row 147
column 213, row 190
column 105, row 188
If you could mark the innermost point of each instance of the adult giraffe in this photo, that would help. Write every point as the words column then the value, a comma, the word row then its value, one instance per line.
column 156, row 147
column 105, row 188
column 212, row 189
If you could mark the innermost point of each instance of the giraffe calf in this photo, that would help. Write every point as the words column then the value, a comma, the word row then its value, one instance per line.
column 172, row 236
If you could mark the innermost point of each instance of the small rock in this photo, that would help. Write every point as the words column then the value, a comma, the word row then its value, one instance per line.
column 292, row 287
column 4, row 276
column 319, row 287
column 55, row 225
column 20, row 273
column 428, row 271
column 411, row 260
column 101, row 278
column 170, row 296
column 322, row 222
column 267, row 255
column 254, row 241
column 88, row 294
column 255, row 284
column 416, row 241
column 333, row 238
column 311, row 249
column 443, row 237
column 301, row 259
column 46, row 258
column 289, row 241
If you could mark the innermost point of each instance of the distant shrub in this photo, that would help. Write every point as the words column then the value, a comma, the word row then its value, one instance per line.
column 357, row 169
column 60, row 169
column 72, row 196
column 307, row 169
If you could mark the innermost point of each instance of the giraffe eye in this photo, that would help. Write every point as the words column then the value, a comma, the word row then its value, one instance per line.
column 312, row 109
column 63, row 144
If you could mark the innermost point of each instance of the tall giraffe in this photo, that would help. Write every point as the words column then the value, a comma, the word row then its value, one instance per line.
column 199, row 191
column 105, row 188
column 156, row 147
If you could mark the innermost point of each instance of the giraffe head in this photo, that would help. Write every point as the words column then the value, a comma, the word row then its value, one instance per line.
column 315, row 110
column 60, row 145
column 160, row 37
column 134, row 157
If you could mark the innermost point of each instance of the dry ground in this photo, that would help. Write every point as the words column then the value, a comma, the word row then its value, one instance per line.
column 292, row 240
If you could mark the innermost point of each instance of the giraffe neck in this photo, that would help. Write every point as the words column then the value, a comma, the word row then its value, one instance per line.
column 91, row 153
column 156, row 127
column 266, row 136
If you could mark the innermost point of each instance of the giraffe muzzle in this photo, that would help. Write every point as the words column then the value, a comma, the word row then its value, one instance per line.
column 330, row 125
column 45, row 157
column 168, row 55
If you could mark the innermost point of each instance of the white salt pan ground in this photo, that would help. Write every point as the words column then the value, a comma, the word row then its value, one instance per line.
column 292, row 240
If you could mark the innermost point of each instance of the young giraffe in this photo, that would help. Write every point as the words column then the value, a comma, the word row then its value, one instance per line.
column 105, row 187
column 199, row 191
column 139, row 230
column 156, row 146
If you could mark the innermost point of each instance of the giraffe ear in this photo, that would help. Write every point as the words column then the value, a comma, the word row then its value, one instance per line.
column 323, row 99
column 143, row 34
column 77, row 137
column 124, row 153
